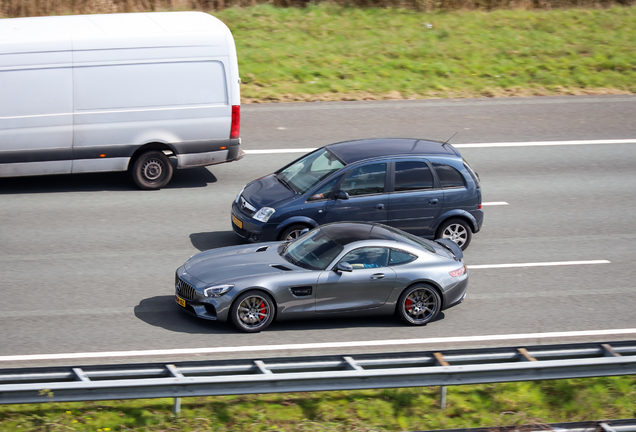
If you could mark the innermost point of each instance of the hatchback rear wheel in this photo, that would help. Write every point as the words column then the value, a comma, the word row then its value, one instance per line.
column 456, row 230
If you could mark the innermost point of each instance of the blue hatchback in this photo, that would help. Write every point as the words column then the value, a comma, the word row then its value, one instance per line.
column 423, row 187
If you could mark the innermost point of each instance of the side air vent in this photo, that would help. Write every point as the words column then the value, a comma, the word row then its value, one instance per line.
column 281, row 267
column 262, row 249
column 301, row 291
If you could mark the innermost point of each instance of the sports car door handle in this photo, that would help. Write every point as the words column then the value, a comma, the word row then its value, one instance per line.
column 377, row 276
column 379, row 206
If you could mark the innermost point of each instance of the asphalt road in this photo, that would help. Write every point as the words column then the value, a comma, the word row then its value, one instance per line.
column 87, row 262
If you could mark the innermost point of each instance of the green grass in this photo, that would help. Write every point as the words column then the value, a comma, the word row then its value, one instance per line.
column 327, row 52
column 369, row 410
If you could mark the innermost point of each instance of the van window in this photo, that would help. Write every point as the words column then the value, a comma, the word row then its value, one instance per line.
column 149, row 85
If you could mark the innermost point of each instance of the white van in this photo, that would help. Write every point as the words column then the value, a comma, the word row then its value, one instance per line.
column 143, row 92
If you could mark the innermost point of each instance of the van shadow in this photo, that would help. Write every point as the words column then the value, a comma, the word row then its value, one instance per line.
column 162, row 311
column 212, row 240
column 94, row 182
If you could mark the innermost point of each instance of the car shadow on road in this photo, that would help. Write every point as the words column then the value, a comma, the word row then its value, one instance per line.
column 162, row 311
column 212, row 240
column 94, row 182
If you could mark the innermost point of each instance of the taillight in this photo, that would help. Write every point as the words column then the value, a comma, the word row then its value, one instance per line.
column 479, row 207
column 236, row 122
column 457, row 273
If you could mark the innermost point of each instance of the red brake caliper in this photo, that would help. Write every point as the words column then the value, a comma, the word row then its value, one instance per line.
column 263, row 310
column 408, row 304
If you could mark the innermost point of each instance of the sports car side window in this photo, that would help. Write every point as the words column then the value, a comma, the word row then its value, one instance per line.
column 368, row 257
column 400, row 257
column 365, row 180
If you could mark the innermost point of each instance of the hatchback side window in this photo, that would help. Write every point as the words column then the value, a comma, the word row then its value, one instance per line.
column 412, row 175
column 324, row 192
column 368, row 257
column 400, row 257
column 449, row 177
column 365, row 180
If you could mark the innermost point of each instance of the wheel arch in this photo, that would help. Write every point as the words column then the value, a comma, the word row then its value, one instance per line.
column 258, row 289
column 300, row 220
column 458, row 214
column 167, row 149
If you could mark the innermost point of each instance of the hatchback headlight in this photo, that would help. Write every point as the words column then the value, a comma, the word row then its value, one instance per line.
column 217, row 291
column 264, row 214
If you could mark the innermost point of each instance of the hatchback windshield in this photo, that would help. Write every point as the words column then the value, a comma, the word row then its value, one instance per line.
column 313, row 251
column 308, row 171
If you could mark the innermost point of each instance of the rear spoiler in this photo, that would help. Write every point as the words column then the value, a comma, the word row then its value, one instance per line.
column 451, row 246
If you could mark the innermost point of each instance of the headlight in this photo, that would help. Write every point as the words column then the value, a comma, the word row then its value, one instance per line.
column 239, row 195
column 264, row 214
column 217, row 291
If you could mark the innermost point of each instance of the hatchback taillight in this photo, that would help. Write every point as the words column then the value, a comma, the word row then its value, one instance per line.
column 236, row 122
column 457, row 273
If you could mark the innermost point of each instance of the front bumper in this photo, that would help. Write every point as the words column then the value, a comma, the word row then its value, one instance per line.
column 189, row 297
column 251, row 229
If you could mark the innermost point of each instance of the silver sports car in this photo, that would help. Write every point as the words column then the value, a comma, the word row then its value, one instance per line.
column 339, row 268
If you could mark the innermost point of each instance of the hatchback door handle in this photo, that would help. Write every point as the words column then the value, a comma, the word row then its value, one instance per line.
column 433, row 201
column 377, row 276
column 379, row 206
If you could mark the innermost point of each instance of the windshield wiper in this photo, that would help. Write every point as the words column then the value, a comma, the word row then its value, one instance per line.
column 285, row 183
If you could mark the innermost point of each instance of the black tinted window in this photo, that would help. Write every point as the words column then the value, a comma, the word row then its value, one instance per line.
column 449, row 177
column 400, row 257
column 365, row 180
column 368, row 257
column 412, row 175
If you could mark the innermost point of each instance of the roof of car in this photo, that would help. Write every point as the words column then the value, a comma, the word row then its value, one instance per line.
column 344, row 233
column 353, row 151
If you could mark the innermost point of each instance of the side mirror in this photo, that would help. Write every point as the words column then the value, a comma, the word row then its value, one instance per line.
column 342, row 195
column 304, row 231
column 343, row 266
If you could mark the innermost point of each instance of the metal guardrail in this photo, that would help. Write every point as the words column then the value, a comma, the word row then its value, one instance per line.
column 623, row 425
column 276, row 375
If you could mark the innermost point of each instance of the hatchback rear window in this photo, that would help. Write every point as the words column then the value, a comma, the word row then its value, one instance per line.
column 449, row 177
column 412, row 175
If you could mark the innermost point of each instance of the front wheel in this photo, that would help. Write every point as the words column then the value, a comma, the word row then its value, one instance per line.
column 456, row 230
column 151, row 170
column 419, row 304
column 252, row 312
column 292, row 232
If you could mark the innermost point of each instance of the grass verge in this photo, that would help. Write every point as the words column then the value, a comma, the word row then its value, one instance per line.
column 369, row 410
column 327, row 52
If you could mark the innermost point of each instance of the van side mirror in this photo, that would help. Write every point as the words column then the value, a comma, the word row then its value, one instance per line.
column 343, row 266
column 342, row 195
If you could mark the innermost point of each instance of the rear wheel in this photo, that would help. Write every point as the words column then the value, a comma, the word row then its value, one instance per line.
column 151, row 170
column 419, row 304
column 252, row 312
column 456, row 230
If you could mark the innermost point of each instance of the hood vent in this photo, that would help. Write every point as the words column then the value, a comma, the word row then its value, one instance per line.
column 262, row 249
column 281, row 267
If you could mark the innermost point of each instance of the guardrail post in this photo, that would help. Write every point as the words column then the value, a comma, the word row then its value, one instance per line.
column 177, row 407
column 442, row 395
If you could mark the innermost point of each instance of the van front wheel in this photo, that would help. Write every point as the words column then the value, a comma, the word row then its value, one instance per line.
column 151, row 170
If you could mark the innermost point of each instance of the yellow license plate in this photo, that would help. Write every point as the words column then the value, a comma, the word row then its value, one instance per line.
column 237, row 222
column 180, row 301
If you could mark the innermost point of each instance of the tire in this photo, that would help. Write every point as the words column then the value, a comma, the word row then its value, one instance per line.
column 151, row 170
column 252, row 312
column 292, row 232
column 457, row 230
column 419, row 304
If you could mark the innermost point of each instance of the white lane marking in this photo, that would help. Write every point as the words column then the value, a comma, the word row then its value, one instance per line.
column 478, row 145
column 311, row 346
column 538, row 264
column 495, row 203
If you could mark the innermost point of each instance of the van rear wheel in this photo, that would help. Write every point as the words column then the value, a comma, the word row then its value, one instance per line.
column 151, row 170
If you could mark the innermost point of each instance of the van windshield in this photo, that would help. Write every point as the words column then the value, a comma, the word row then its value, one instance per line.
column 308, row 171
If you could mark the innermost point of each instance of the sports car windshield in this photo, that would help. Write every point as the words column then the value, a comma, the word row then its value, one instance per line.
column 308, row 171
column 313, row 251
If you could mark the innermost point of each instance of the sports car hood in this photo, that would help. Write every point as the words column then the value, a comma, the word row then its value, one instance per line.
column 225, row 265
column 267, row 192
